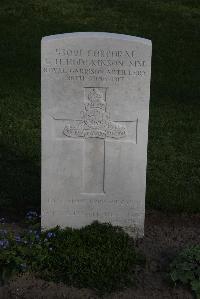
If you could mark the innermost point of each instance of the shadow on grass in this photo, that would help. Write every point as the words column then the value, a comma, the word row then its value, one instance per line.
column 20, row 182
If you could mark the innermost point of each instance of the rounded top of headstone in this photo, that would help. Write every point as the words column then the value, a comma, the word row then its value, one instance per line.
column 97, row 35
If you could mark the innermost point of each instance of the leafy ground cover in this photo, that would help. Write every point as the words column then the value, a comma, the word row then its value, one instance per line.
column 185, row 268
column 98, row 256
column 173, row 26
column 166, row 237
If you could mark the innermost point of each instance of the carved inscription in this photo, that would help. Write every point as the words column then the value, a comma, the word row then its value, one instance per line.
column 114, row 65
column 95, row 121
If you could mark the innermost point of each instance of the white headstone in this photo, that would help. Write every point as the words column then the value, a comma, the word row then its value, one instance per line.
column 95, row 109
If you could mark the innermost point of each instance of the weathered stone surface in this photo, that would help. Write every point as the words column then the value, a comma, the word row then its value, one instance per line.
column 95, row 106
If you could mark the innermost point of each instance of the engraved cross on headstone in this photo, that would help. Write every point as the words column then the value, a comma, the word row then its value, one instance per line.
column 95, row 126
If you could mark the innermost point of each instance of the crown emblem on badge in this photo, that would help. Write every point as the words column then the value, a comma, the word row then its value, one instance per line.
column 95, row 122
column 95, row 100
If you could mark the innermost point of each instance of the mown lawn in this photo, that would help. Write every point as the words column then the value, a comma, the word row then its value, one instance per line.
column 173, row 174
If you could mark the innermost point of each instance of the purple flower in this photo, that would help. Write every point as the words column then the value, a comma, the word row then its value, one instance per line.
column 4, row 243
column 2, row 220
column 3, row 231
column 32, row 213
column 37, row 237
column 18, row 239
column 50, row 234
column 23, row 266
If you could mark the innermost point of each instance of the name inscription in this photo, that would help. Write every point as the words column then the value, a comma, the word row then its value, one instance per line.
column 95, row 65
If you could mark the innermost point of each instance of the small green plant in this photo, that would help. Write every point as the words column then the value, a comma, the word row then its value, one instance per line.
column 185, row 268
column 98, row 256
column 12, row 255
column 32, row 220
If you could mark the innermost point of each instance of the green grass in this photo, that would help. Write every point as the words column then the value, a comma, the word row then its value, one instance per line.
column 173, row 26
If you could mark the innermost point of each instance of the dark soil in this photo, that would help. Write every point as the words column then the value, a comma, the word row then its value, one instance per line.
column 165, row 235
